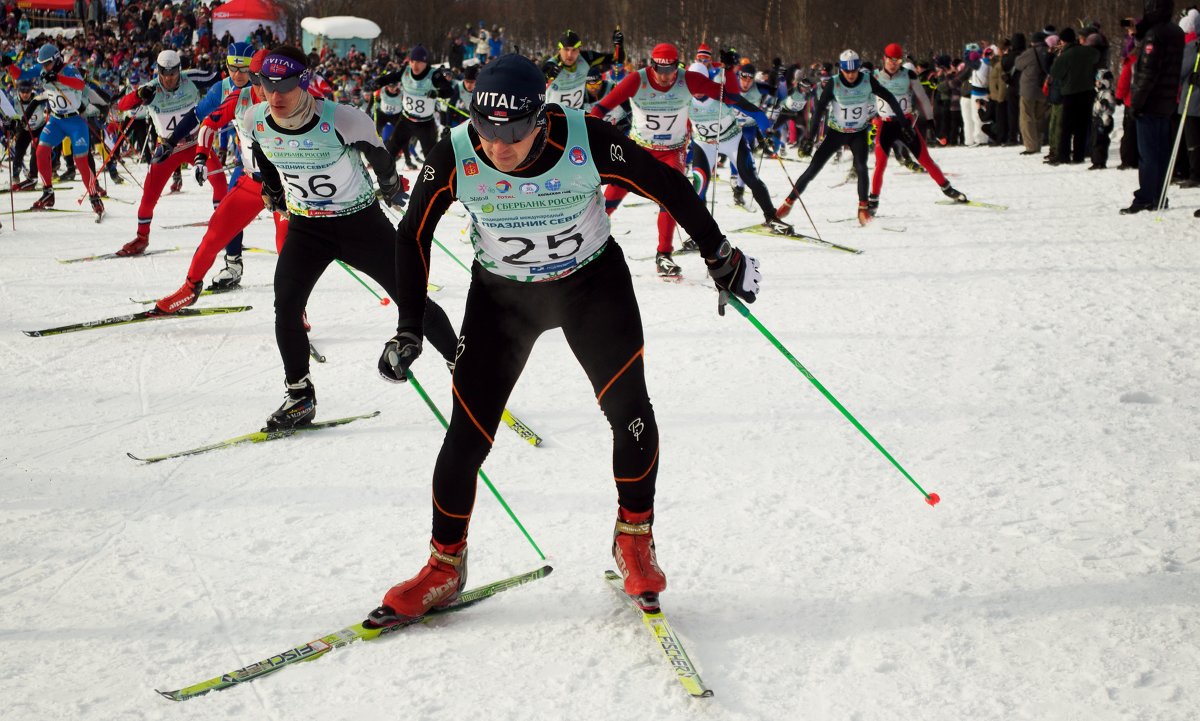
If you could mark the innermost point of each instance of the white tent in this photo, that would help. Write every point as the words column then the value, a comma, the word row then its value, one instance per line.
column 339, row 32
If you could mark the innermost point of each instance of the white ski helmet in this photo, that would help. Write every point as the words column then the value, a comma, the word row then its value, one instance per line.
column 849, row 61
column 168, row 62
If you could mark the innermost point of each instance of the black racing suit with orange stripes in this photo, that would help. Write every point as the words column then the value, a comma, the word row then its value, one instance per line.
column 595, row 307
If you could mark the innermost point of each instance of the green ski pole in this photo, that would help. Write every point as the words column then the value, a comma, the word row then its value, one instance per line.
column 348, row 269
column 726, row 298
column 429, row 402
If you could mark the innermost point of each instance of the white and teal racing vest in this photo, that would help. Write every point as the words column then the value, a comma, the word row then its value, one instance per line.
column 169, row 106
column 713, row 121
column 660, row 119
column 321, row 175
column 390, row 104
column 534, row 229
column 416, row 103
column 245, row 101
column 62, row 100
column 901, row 86
column 795, row 101
column 852, row 107
column 567, row 88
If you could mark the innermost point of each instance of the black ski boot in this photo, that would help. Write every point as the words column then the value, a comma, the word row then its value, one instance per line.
column 955, row 195
column 666, row 267
column 298, row 409
column 45, row 202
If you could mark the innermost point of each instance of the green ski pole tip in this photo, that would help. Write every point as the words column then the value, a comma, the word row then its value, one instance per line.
column 933, row 499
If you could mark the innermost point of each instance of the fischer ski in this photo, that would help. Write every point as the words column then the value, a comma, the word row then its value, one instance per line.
column 764, row 230
column 256, row 437
column 350, row 634
column 672, row 647
column 974, row 204
column 110, row 256
column 520, row 428
column 135, row 318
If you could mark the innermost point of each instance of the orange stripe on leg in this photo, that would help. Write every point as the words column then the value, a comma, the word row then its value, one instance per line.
column 653, row 462
column 444, row 512
column 471, row 415
column 640, row 352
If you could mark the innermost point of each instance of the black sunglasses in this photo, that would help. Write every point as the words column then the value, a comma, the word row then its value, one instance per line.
column 281, row 85
column 508, row 132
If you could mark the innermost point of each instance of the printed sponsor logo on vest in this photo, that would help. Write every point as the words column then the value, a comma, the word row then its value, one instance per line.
column 260, row 127
column 553, row 184
column 488, row 208
column 553, row 267
column 529, row 188
column 577, row 156
column 482, row 188
column 308, row 143
column 324, row 127
column 470, row 167
column 503, row 186
column 293, row 143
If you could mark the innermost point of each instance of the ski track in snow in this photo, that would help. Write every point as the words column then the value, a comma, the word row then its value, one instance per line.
column 1036, row 367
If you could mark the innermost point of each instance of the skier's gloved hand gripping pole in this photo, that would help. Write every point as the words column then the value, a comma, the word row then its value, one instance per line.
column 731, row 297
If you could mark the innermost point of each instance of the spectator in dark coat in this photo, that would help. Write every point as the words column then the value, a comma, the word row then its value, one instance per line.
column 1153, row 96
column 1031, row 67
column 1012, row 77
column 1074, row 74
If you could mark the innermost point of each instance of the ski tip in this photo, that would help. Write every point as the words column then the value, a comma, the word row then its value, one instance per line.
column 169, row 695
column 33, row 333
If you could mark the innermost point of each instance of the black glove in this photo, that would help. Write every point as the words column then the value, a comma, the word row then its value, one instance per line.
column 394, row 190
column 729, row 57
column 1194, row 78
column 49, row 76
column 618, row 37
column 162, row 151
column 552, row 70
column 201, row 172
column 274, row 199
column 146, row 93
column 431, row 93
column 398, row 354
column 806, row 146
column 735, row 272
column 908, row 136
column 6, row 60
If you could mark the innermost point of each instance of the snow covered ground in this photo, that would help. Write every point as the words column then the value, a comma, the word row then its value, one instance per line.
column 1036, row 367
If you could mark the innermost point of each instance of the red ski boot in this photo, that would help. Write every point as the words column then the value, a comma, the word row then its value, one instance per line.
column 137, row 246
column 864, row 213
column 633, row 550
column 437, row 585
column 182, row 298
